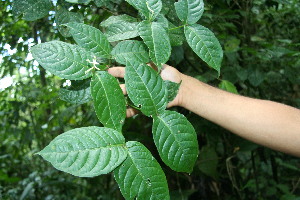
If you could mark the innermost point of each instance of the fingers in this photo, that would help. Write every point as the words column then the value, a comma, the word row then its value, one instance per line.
column 122, row 86
column 130, row 112
column 118, row 72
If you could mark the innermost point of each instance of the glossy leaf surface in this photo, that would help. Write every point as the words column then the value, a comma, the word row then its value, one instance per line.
column 109, row 101
column 86, row 152
column 176, row 141
column 140, row 176
column 62, row 59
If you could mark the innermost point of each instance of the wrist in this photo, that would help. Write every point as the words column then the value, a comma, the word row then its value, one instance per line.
column 182, row 90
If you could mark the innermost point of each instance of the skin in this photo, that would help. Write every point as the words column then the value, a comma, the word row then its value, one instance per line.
column 267, row 123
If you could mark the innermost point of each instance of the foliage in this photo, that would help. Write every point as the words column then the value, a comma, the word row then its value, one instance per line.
column 261, row 59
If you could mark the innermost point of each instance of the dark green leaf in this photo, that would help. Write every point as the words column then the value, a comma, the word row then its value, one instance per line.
column 62, row 59
column 176, row 141
column 172, row 89
column 140, row 176
column 208, row 162
column 189, row 11
column 86, row 152
column 75, row 96
column 109, row 101
column 145, row 88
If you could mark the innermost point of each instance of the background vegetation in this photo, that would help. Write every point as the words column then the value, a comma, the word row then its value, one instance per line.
column 261, row 46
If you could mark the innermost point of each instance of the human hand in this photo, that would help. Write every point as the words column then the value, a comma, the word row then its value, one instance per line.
column 167, row 73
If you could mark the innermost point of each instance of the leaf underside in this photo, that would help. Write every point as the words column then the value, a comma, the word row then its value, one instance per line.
column 176, row 141
column 132, row 50
column 109, row 101
column 145, row 88
column 140, row 176
column 86, row 152
column 121, row 31
column 205, row 44
column 62, row 59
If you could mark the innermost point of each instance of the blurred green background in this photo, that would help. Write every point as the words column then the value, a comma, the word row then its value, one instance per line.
column 261, row 43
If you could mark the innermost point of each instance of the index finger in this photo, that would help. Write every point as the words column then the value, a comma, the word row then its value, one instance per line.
column 118, row 72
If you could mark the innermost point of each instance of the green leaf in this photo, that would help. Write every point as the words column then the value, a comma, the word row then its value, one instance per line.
column 140, row 176
column 228, row 86
column 176, row 35
column 145, row 88
column 79, row 1
column 208, row 162
column 117, row 19
column 148, row 8
column 32, row 9
column 75, row 96
column 172, row 89
column 86, row 152
column 63, row 16
column 157, row 40
column 176, row 141
column 121, row 31
column 62, row 59
column 189, row 11
column 90, row 38
column 132, row 50
column 205, row 44
column 109, row 101
column 100, row 3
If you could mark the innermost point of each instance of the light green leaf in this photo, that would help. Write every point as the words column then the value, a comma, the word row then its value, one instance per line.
column 86, row 152
column 90, row 38
column 140, row 176
column 157, row 40
column 109, row 101
column 121, row 31
column 130, row 50
column 63, row 16
column 79, row 1
column 228, row 86
column 32, row 9
column 176, row 35
column 117, row 19
column 62, row 59
column 189, row 11
column 145, row 88
column 205, row 44
column 148, row 8
column 100, row 3
column 164, row 22
column 75, row 96
column 172, row 89
column 176, row 141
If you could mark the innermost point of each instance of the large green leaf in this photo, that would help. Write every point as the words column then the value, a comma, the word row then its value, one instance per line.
column 176, row 141
column 86, row 152
column 148, row 8
column 62, row 59
column 116, row 19
column 63, row 16
column 157, row 40
column 32, row 9
column 90, row 38
column 145, row 88
column 140, row 176
column 109, row 101
column 132, row 50
column 205, row 44
column 121, row 31
column 189, row 11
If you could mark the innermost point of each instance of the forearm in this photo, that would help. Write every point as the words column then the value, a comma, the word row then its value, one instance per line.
column 264, row 122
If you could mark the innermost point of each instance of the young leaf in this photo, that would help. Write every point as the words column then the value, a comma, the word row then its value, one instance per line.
column 32, row 9
column 90, row 38
column 117, row 19
column 63, row 16
column 140, row 176
column 75, row 96
column 130, row 50
column 145, row 88
column 86, row 152
column 172, row 89
column 62, row 59
column 121, row 31
column 157, row 40
column 228, row 86
column 109, row 101
column 176, row 141
column 148, row 8
column 189, row 11
column 205, row 44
